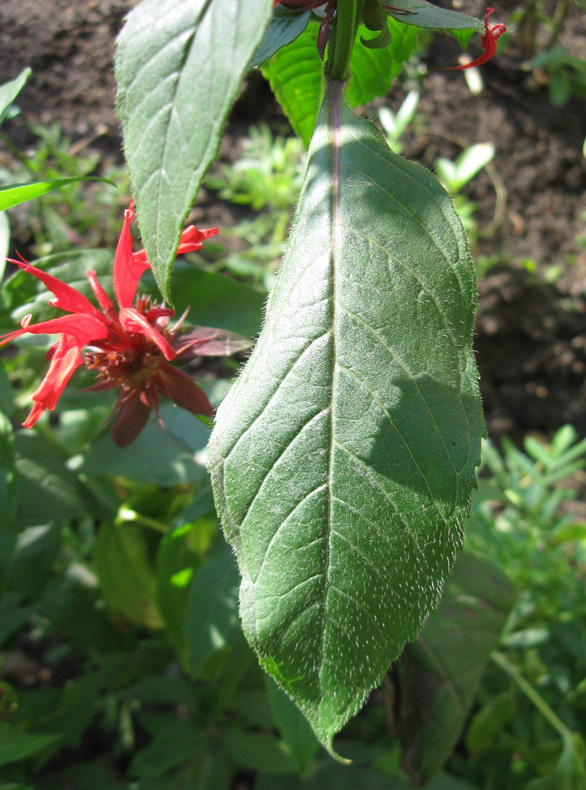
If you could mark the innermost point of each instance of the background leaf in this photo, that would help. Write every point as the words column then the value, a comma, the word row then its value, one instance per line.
column 8, row 501
column 15, row 194
column 177, row 78
column 212, row 606
column 10, row 90
column 15, row 745
column 159, row 457
column 344, row 455
column 426, row 15
column 441, row 671
column 296, row 74
column 283, row 28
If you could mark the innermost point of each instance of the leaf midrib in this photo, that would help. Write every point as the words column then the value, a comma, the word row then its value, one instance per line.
column 334, row 95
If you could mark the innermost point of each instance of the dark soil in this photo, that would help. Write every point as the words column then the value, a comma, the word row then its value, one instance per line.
column 531, row 337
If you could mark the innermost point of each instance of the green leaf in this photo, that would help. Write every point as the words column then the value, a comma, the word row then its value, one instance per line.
column 6, row 396
column 570, row 771
column 425, row 15
column 296, row 73
column 372, row 71
column 212, row 605
column 16, row 745
column 178, row 67
column 171, row 746
column 158, row 457
column 127, row 577
column 257, row 751
column 8, row 501
column 284, row 27
column 15, row 194
column 295, row 731
column 10, row 90
column 343, row 457
column 176, row 564
column 46, row 486
column 440, row 673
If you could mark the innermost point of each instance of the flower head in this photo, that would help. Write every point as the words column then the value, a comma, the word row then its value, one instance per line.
column 129, row 348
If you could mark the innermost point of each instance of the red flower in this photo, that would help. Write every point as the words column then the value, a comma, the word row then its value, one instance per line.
column 488, row 42
column 129, row 349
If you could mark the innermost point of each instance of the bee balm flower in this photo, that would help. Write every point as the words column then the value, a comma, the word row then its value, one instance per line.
column 129, row 348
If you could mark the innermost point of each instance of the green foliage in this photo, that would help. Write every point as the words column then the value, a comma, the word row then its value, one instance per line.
column 566, row 73
column 268, row 178
column 396, row 124
column 297, row 80
column 319, row 485
column 170, row 136
column 456, row 174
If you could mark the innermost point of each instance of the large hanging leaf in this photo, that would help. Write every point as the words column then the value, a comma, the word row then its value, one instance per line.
column 343, row 457
column 178, row 67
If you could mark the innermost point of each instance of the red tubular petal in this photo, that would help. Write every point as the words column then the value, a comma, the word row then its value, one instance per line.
column 132, row 415
column 101, row 295
column 37, row 410
column 192, row 239
column 182, row 390
column 133, row 322
column 66, row 297
column 128, row 268
column 83, row 328
column 65, row 358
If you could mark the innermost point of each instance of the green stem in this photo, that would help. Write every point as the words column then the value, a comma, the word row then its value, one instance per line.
column 342, row 41
column 526, row 687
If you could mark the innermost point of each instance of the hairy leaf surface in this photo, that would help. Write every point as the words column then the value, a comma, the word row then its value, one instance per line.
column 178, row 67
column 343, row 457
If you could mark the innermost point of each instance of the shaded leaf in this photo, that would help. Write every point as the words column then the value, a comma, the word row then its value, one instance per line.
column 127, row 577
column 426, row 15
column 344, row 455
column 45, row 485
column 211, row 614
column 16, row 745
column 171, row 746
column 8, row 501
column 440, row 673
column 294, row 728
column 177, row 80
column 284, row 27
column 159, row 457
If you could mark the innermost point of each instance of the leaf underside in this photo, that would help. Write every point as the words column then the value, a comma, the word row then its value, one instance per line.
column 343, row 457
column 179, row 66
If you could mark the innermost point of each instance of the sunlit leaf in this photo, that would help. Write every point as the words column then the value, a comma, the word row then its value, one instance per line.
column 10, row 90
column 15, row 194
column 179, row 66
